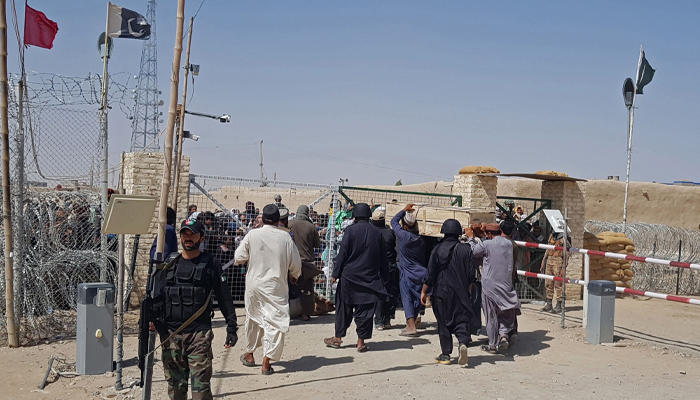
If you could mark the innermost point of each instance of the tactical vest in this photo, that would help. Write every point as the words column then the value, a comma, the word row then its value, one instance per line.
column 185, row 289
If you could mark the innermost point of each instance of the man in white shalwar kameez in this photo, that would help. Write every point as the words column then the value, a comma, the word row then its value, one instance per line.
column 272, row 257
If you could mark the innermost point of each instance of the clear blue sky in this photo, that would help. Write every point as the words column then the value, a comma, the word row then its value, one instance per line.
column 425, row 87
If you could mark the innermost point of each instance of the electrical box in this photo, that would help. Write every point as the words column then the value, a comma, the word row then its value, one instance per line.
column 95, row 331
column 601, row 312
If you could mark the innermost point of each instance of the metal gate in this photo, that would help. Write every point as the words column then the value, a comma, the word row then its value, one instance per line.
column 527, row 259
column 229, row 208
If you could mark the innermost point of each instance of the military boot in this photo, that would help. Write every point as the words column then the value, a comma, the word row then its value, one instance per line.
column 557, row 308
column 547, row 307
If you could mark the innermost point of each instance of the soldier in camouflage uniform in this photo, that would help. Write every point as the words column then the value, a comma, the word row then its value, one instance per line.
column 552, row 265
column 192, row 279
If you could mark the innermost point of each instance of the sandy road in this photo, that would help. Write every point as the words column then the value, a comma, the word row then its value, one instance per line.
column 546, row 362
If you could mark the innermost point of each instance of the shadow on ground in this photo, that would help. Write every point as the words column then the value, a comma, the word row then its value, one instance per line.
column 311, row 363
column 528, row 344
column 324, row 379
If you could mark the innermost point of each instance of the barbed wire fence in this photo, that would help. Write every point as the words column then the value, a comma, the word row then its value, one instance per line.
column 664, row 242
column 56, row 231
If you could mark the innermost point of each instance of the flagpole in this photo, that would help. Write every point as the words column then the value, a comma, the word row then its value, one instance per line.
column 105, row 140
column 630, row 129
column 12, row 334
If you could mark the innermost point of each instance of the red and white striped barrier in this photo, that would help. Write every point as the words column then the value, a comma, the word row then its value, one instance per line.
column 618, row 289
column 655, row 295
column 658, row 295
column 612, row 255
column 551, row 277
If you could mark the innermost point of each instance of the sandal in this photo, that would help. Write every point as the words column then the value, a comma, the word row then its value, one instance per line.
column 269, row 371
column 246, row 362
column 503, row 344
column 488, row 349
column 404, row 333
column 332, row 343
column 362, row 349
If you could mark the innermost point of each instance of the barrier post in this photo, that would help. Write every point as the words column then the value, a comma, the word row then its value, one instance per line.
column 565, row 256
column 586, row 278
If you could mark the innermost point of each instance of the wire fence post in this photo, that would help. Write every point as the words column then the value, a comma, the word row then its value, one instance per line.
column 679, row 270
column 586, row 278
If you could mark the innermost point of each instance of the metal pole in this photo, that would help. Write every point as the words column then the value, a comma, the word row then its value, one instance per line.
column 12, row 334
column 630, row 126
column 180, row 131
column 261, row 162
column 104, row 108
column 563, row 268
column 678, row 270
column 120, row 295
column 586, row 278
column 18, row 262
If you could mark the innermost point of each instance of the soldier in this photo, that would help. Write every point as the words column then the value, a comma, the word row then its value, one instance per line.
column 552, row 265
column 190, row 280
column 278, row 201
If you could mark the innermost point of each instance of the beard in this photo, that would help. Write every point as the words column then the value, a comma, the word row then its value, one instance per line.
column 190, row 245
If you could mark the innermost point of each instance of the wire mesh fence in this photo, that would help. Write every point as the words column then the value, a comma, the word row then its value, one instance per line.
column 231, row 207
column 664, row 242
column 56, row 236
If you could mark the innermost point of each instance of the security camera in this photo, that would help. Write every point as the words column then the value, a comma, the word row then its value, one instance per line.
column 225, row 118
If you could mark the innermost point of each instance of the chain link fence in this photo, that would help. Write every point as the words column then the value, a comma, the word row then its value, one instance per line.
column 664, row 242
column 56, row 204
column 231, row 207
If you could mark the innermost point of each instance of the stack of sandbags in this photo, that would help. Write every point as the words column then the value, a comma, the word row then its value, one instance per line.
column 610, row 269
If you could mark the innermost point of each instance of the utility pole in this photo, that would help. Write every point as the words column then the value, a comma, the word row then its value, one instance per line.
column 167, row 173
column 12, row 334
column 181, row 129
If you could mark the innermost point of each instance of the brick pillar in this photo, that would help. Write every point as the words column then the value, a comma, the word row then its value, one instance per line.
column 143, row 174
column 477, row 191
column 570, row 195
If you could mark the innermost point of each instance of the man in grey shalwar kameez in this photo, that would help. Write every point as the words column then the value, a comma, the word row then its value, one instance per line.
column 499, row 299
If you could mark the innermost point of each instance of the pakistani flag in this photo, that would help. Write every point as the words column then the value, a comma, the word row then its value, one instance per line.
column 645, row 72
column 125, row 23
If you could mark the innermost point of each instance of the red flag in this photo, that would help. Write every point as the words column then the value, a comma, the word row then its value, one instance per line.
column 38, row 30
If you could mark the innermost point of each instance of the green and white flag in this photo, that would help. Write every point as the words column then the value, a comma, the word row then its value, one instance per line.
column 645, row 73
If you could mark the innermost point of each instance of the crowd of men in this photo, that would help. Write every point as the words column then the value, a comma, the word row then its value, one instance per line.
column 378, row 265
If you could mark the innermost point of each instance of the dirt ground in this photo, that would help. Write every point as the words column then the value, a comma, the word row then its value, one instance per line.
column 656, row 356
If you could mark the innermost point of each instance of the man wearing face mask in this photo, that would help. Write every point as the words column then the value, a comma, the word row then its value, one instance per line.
column 190, row 280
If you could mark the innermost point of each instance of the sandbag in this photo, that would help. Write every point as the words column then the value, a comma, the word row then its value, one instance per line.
column 629, row 273
column 478, row 169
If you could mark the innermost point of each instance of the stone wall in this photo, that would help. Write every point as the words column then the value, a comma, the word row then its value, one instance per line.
column 477, row 191
column 651, row 203
column 570, row 196
column 143, row 174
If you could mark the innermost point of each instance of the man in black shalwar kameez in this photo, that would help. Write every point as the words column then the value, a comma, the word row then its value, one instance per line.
column 361, row 269
column 450, row 276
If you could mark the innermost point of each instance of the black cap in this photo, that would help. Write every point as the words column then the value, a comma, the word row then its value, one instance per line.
column 362, row 210
column 193, row 225
column 271, row 213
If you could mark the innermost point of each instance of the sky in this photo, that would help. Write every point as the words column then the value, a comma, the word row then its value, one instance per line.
column 377, row 92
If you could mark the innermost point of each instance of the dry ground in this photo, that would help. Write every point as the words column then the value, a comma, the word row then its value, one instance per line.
column 657, row 356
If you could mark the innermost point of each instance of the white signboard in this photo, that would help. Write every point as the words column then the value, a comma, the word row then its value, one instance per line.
column 129, row 214
column 556, row 220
